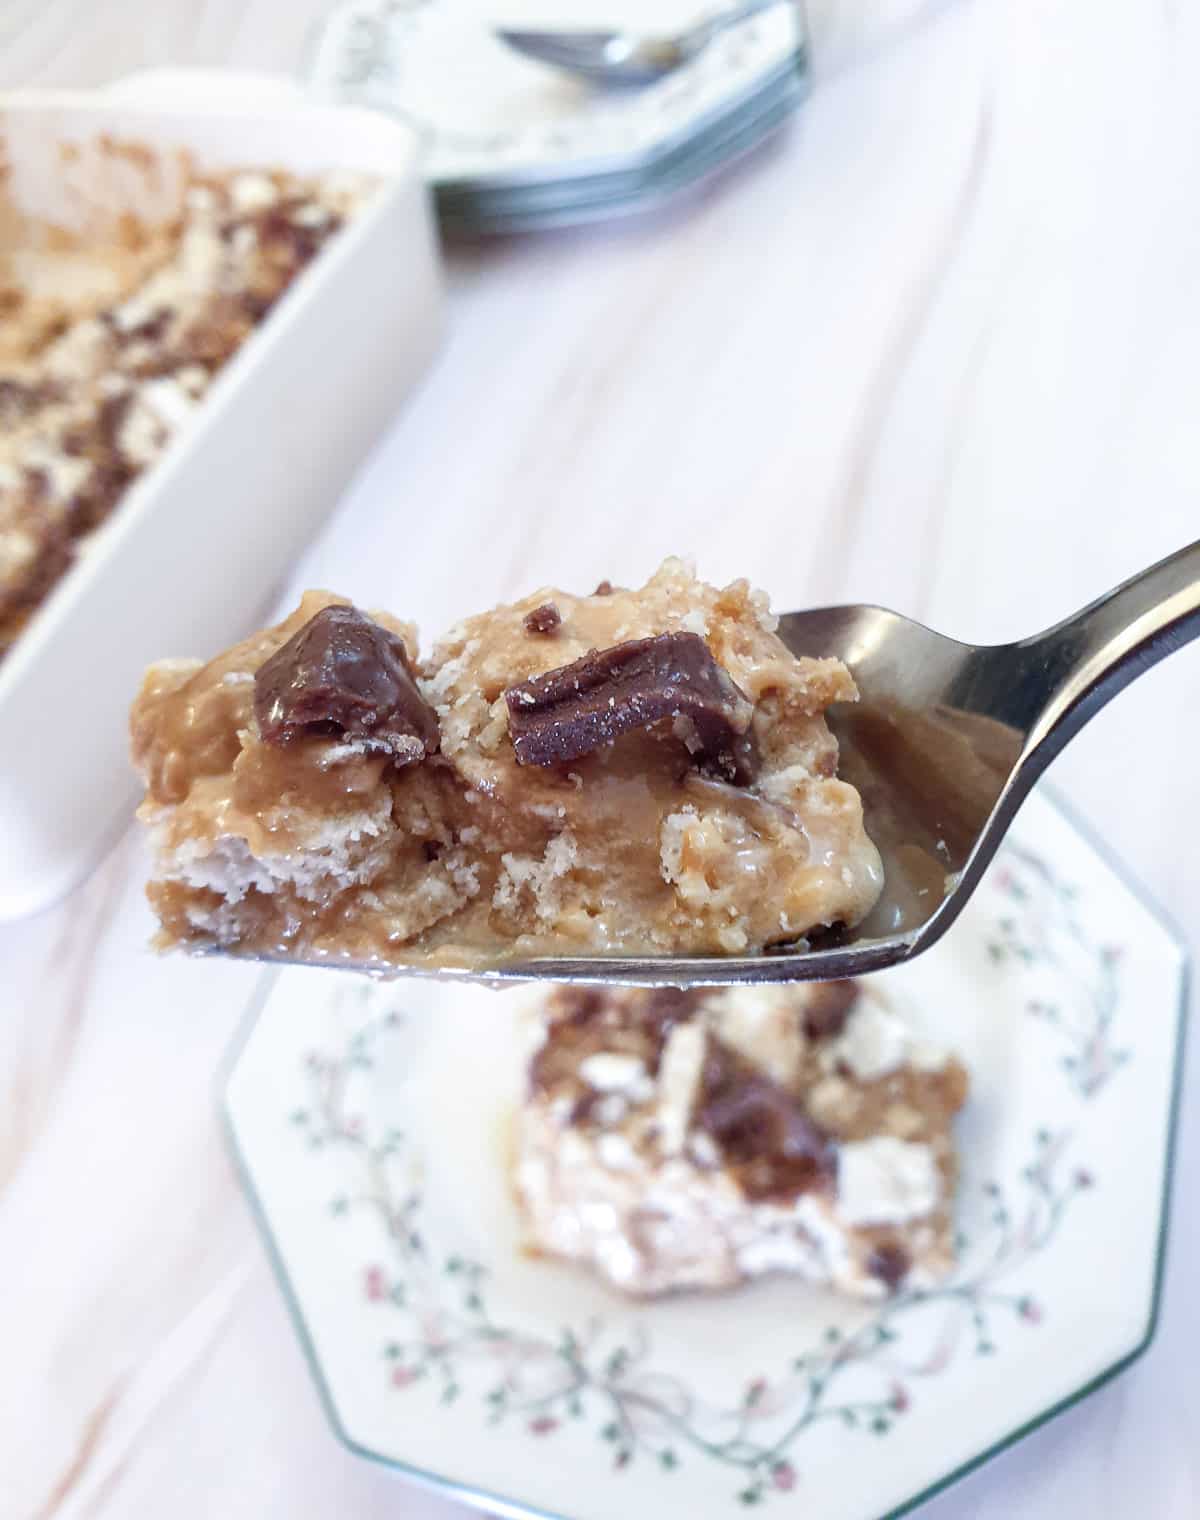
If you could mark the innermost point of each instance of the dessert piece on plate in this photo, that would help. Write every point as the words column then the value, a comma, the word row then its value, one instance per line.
column 679, row 1140
column 96, row 381
column 634, row 771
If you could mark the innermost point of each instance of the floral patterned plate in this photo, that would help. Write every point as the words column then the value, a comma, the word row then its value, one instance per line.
column 371, row 1122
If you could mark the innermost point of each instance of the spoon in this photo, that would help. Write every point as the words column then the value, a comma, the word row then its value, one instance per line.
column 622, row 57
column 944, row 745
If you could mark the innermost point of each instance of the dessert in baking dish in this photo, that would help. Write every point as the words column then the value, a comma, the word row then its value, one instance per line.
column 96, row 381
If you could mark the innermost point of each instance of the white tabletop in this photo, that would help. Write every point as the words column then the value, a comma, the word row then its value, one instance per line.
column 938, row 347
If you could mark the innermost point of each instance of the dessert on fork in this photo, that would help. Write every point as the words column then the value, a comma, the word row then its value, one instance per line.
column 632, row 772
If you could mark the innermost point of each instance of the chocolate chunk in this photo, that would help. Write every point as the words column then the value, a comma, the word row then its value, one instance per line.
column 671, row 1004
column 645, row 1013
column 281, row 236
column 54, row 555
column 605, row 588
column 765, row 1137
column 37, row 482
column 16, row 399
column 580, row 1006
column 583, row 1107
column 889, row 1262
column 658, row 1011
column 110, row 419
column 149, row 330
column 20, row 399
column 98, row 437
column 575, row 709
column 543, row 619
column 828, row 1007
column 584, row 1021
column 102, row 489
column 227, row 322
column 344, row 674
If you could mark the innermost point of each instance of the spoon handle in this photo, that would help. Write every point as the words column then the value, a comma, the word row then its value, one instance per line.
column 1083, row 662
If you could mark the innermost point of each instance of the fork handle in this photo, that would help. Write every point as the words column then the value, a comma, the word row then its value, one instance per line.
column 1077, row 666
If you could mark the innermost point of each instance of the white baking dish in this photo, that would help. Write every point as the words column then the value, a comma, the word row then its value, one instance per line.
column 194, row 552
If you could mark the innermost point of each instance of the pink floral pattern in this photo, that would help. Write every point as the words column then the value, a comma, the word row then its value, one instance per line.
column 1075, row 984
column 438, row 1332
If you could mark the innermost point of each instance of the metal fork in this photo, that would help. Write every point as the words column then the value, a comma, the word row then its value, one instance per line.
column 625, row 57
column 944, row 745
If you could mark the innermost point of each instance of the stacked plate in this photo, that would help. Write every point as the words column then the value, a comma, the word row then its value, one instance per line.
column 512, row 144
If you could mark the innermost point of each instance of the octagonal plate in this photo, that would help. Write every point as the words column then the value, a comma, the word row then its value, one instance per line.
column 491, row 117
column 370, row 1124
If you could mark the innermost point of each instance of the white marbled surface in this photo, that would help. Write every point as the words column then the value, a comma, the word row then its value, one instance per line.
column 939, row 347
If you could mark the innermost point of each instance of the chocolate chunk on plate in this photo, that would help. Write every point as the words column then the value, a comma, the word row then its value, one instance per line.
column 761, row 1130
column 828, row 1008
column 344, row 674
column 890, row 1263
column 572, row 711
